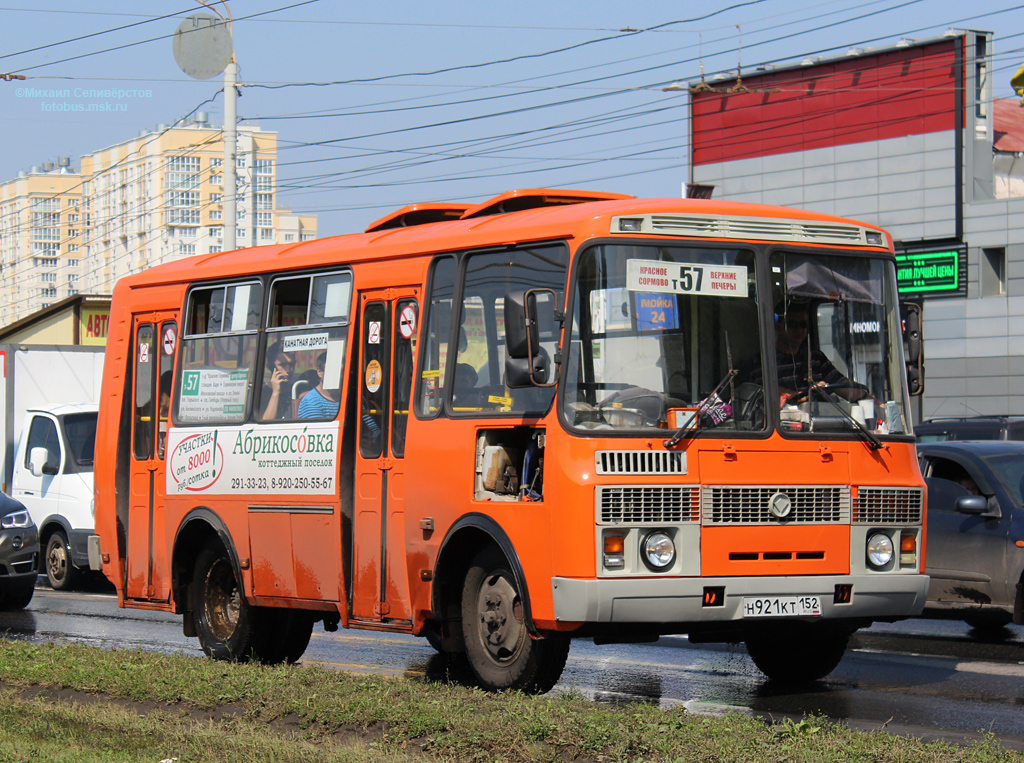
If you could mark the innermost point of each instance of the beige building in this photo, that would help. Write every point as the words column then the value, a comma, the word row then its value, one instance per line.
column 146, row 201
column 40, row 240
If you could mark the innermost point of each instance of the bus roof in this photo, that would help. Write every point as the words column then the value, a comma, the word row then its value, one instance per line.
column 537, row 215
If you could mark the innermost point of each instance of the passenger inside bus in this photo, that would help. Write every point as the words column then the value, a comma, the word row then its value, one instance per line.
column 318, row 403
column 276, row 397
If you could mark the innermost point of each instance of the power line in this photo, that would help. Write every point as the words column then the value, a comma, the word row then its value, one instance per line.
column 24, row 69
column 96, row 34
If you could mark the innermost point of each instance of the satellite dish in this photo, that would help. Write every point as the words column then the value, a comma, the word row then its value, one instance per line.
column 202, row 46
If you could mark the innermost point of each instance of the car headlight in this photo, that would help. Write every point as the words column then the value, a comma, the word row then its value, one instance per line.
column 16, row 519
column 879, row 550
column 658, row 551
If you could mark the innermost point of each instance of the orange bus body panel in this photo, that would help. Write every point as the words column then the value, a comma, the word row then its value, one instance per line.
column 307, row 558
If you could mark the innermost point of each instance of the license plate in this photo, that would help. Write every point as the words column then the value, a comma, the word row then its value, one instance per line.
column 781, row 606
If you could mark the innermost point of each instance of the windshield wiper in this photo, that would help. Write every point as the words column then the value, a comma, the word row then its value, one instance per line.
column 874, row 442
column 704, row 405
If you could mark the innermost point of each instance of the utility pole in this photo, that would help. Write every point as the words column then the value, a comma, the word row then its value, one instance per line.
column 230, row 149
column 203, row 48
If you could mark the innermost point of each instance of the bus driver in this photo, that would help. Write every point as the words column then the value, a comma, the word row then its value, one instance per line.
column 799, row 366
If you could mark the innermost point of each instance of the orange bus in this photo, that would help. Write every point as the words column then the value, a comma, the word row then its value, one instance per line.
column 555, row 414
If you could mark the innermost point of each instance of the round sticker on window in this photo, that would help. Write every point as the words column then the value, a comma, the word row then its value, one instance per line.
column 374, row 376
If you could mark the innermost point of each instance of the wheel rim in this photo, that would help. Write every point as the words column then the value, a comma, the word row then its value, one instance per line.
column 502, row 630
column 57, row 561
column 222, row 602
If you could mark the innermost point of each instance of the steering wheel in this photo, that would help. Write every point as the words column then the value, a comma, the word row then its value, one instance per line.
column 640, row 419
column 802, row 394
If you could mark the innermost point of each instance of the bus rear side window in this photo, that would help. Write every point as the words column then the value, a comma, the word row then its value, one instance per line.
column 218, row 353
column 307, row 336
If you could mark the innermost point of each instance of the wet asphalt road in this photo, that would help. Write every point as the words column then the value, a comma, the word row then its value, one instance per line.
column 925, row 678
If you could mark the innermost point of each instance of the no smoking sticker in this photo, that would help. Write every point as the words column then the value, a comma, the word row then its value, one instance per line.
column 168, row 344
column 407, row 321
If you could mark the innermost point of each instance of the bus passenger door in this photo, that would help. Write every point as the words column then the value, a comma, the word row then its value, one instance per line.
column 155, row 342
column 387, row 341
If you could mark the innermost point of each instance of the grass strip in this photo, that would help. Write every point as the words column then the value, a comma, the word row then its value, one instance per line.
column 71, row 702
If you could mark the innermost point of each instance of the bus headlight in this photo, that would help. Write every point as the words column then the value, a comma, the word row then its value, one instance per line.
column 879, row 550
column 658, row 551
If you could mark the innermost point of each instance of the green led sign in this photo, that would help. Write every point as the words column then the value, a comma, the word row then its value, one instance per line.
column 930, row 273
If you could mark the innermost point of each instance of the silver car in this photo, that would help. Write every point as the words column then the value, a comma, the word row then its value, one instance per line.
column 975, row 542
column 19, row 554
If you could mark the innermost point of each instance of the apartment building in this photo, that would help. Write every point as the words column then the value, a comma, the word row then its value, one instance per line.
column 40, row 239
column 142, row 202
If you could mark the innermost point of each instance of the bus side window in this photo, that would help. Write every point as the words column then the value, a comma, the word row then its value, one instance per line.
column 488, row 277
column 218, row 347
column 307, row 331
column 436, row 338
column 168, row 335
column 145, row 422
column 405, row 349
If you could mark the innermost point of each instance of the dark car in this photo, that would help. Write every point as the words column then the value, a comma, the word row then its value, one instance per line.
column 970, row 428
column 975, row 546
column 19, row 554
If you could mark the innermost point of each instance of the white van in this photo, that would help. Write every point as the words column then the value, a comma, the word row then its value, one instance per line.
column 53, row 478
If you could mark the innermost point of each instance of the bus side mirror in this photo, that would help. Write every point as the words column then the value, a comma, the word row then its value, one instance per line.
column 527, row 364
column 521, row 334
column 913, row 346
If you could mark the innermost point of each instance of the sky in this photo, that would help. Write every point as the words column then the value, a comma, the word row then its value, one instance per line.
column 380, row 105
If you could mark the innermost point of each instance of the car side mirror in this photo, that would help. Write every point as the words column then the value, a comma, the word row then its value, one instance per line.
column 972, row 504
column 37, row 462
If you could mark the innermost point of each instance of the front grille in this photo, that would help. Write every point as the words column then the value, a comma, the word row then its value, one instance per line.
column 888, row 506
column 757, row 228
column 641, row 462
column 748, row 505
column 648, row 504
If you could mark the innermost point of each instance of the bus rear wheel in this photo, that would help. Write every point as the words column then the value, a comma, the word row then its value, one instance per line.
column 501, row 651
column 225, row 622
column 285, row 634
column 797, row 653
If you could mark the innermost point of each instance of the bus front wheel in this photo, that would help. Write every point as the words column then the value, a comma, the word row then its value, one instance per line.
column 797, row 653
column 499, row 646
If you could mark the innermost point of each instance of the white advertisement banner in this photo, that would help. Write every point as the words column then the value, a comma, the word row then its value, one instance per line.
column 295, row 458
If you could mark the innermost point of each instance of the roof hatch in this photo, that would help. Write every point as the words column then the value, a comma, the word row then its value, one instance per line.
column 532, row 198
column 418, row 214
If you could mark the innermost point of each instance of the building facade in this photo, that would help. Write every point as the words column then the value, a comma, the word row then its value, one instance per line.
column 146, row 201
column 909, row 138
column 40, row 240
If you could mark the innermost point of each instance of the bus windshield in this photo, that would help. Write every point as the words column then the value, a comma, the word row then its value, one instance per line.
column 665, row 337
column 657, row 328
column 838, row 344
